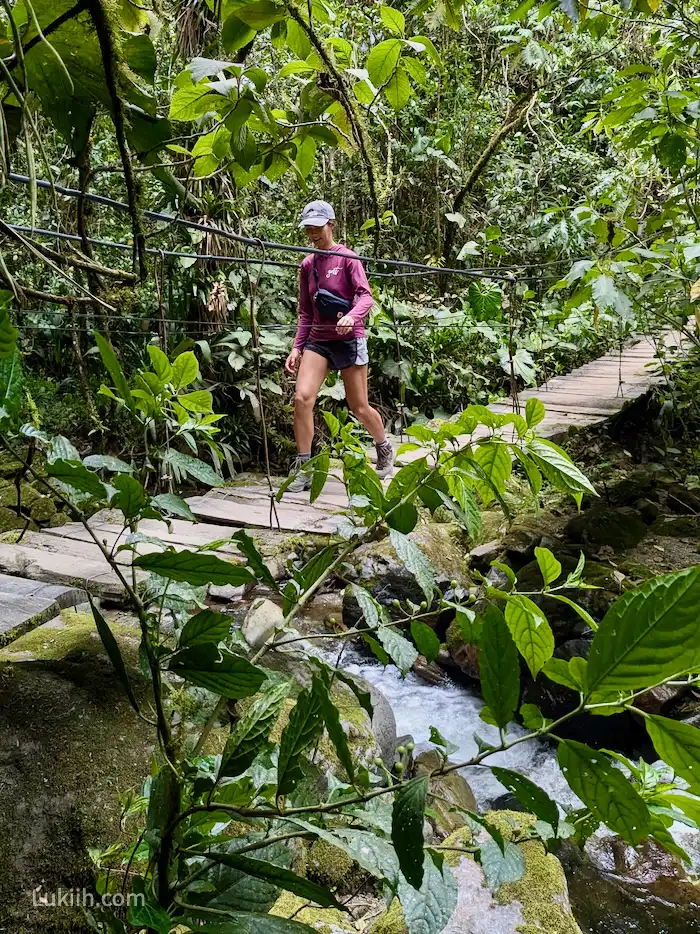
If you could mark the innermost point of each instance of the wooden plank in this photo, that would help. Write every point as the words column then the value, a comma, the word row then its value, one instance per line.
column 93, row 575
column 26, row 604
column 184, row 534
column 229, row 512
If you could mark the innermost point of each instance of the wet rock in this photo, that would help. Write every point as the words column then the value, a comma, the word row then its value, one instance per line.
column 676, row 526
column 482, row 556
column 430, row 672
column 452, row 794
column 261, row 622
column 648, row 510
column 682, row 500
column 658, row 700
column 463, row 652
column 618, row 528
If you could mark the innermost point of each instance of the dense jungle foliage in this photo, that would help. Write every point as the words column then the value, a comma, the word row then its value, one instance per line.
column 557, row 148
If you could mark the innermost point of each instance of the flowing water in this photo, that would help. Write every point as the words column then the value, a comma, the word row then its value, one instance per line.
column 602, row 903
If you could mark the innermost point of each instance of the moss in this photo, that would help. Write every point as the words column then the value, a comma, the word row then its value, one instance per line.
column 541, row 892
column 323, row 920
column 330, row 866
column 10, row 538
column 76, row 637
column 391, row 922
column 43, row 509
column 9, row 520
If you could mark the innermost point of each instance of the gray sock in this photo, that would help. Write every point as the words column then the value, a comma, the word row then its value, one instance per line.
column 383, row 444
column 304, row 458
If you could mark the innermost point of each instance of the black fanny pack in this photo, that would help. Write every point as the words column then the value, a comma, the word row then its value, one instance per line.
column 331, row 307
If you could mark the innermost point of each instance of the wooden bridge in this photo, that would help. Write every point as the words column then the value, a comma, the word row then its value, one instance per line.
column 51, row 570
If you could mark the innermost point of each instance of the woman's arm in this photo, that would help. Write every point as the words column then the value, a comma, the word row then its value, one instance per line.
column 362, row 293
column 306, row 313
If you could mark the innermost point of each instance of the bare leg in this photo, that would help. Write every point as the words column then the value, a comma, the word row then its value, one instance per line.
column 313, row 369
column 355, row 379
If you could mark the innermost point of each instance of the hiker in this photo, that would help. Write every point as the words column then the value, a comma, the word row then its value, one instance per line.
column 334, row 298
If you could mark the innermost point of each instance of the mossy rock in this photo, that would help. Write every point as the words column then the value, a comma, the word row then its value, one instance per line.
column 330, row 866
column 9, row 520
column 323, row 920
column 72, row 745
column 619, row 528
column 676, row 526
column 43, row 509
column 449, row 794
column 538, row 903
column 464, row 652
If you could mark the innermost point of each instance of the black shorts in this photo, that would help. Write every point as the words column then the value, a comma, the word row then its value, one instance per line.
column 343, row 353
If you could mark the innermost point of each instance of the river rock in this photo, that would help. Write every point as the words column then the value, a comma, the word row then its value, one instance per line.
column 262, row 619
column 659, row 700
column 682, row 500
column 676, row 526
column 71, row 743
column 620, row 528
column 323, row 920
column 482, row 556
column 452, row 792
column 539, row 901
column 430, row 672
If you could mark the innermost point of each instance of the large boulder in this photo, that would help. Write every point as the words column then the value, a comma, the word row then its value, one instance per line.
column 538, row 902
column 451, row 794
column 71, row 744
column 263, row 619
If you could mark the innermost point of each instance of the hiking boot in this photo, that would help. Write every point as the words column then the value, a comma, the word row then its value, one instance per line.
column 385, row 460
column 302, row 480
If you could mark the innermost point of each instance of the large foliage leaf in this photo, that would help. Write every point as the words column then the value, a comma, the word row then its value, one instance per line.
column 427, row 642
column 113, row 367
column 428, row 909
column 251, row 922
column 531, row 632
column 186, row 466
column 415, row 561
column 113, row 652
column 501, row 864
column 678, row 744
column 218, row 670
column 11, row 381
column 250, row 732
column 8, row 333
column 255, row 560
column 382, row 61
column 530, row 795
column 73, row 474
column 205, row 628
column 195, row 568
column 605, row 791
column 331, row 718
column 304, row 727
column 407, row 828
column 499, row 666
column 495, row 467
column 650, row 633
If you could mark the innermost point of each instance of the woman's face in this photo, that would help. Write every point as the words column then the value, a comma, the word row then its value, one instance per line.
column 320, row 236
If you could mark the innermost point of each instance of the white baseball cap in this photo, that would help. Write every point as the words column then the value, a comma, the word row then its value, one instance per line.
column 317, row 214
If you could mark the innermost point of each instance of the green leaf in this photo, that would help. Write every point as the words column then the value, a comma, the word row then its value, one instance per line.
column 217, row 670
column 130, row 496
column 304, row 727
column 251, row 922
column 297, row 40
column 331, row 717
column 407, row 828
column 185, row 465
column 11, row 382
column 521, row 11
column 151, row 916
column 403, row 518
column 314, row 569
column 495, row 466
column 306, row 153
column 113, row 652
column 194, row 568
column 530, row 630
column 533, row 718
column 534, row 477
column 532, row 798
column 277, row 875
column 160, row 363
column 173, row 505
column 320, row 475
column 401, row 651
column 382, row 61
column 394, row 20
column 605, row 791
column 424, row 44
column 550, row 568
column 427, row 642
column 8, row 333
column 374, row 854
column 260, row 14
column 250, row 732
column 255, row 560
column 204, row 628
column 463, row 496
column 650, row 633
column 368, row 605
column 415, row 561
column 199, row 402
column 363, row 696
column 678, row 744
column 428, row 910
column 501, row 865
column 398, row 89
column 407, row 479
column 569, row 673
column 109, row 358
column 185, row 370
column 75, row 475
column 673, row 152
column 105, row 462
column 534, row 412
column 558, row 467
column 500, row 670
column 584, row 614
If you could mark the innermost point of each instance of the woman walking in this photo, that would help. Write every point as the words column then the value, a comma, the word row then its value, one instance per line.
column 334, row 299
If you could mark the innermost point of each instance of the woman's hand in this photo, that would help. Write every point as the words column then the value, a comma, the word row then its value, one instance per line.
column 345, row 325
column 293, row 360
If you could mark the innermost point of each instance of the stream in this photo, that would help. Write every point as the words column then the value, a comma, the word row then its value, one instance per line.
column 603, row 902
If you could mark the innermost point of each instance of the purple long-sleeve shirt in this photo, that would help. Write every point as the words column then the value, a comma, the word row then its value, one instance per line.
column 343, row 275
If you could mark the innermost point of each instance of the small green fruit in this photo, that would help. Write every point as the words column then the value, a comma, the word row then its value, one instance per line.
column 454, row 584
column 472, row 598
column 396, row 603
column 379, row 762
column 424, row 605
column 332, row 620
column 411, row 747
column 401, row 750
column 399, row 767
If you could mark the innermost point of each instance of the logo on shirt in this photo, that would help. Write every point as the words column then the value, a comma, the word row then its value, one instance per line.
column 333, row 272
